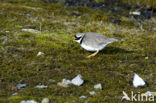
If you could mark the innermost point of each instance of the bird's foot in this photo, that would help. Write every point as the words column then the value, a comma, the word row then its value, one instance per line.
column 92, row 55
column 89, row 56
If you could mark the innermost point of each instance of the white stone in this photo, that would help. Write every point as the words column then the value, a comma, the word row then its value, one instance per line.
column 19, row 86
column 62, row 85
column 41, row 86
column 31, row 30
column 28, row 101
column 83, row 97
column 51, row 80
column 92, row 93
column 135, row 13
column 148, row 93
column 77, row 80
column 138, row 81
column 7, row 31
column 146, row 57
column 3, row 42
column 98, row 86
column 40, row 53
column 14, row 94
column 66, row 81
column 45, row 100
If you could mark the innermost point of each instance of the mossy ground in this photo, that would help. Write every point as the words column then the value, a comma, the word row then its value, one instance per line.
column 113, row 67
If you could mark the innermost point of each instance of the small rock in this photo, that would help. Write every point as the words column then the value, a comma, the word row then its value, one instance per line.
column 45, row 100
column 146, row 57
column 41, row 86
column 138, row 81
column 7, row 31
column 29, row 15
column 98, row 86
column 31, row 30
column 51, row 80
column 77, row 80
column 14, row 94
column 83, row 97
column 62, row 85
column 65, row 83
column 14, row 88
column 135, row 13
column 92, row 93
column 4, row 42
column 28, row 101
column 19, row 86
column 1, row 12
column 148, row 93
column 133, row 65
column 40, row 53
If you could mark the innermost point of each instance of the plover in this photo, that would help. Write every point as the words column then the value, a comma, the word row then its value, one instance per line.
column 93, row 42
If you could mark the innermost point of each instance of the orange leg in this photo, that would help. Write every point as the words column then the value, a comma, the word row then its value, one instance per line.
column 92, row 55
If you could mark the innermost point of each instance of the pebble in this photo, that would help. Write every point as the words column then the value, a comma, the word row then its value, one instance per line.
column 31, row 30
column 148, row 93
column 28, row 101
column 135, row 13
column 45, row 100
column 41, row 86
column 98, row 86
column 92, row 93
column 75, row 81
column 7, row 31
column 138, row 81
column 83, row 97
column 78, row 81
column 51, row 80
column 14, row 88
column 19, row 86
column 4, row 42
column 146, row 57
column 66, row 81
column 62, row 85
column 14, row 94
column 40, row 53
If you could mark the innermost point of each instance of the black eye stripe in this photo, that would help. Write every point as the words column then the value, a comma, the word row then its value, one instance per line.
column 77, row 38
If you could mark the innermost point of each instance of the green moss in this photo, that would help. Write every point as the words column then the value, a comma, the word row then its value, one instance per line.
column 64, row 59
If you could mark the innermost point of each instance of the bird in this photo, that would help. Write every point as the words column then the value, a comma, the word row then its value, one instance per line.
column 93, row 42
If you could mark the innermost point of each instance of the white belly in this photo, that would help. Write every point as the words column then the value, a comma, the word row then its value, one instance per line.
column 89, row 48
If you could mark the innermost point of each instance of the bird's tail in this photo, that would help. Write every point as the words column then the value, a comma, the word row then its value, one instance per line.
column 113, row 39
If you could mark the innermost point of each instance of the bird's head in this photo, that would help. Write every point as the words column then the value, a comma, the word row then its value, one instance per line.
column 78, row 37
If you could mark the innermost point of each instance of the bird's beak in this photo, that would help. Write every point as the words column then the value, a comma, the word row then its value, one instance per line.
column 74, row 41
